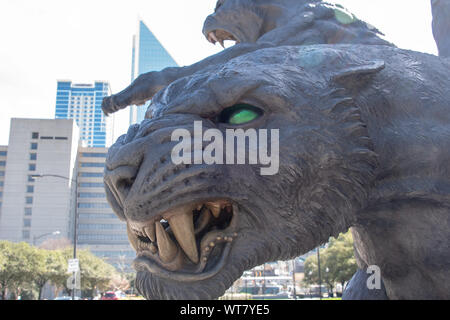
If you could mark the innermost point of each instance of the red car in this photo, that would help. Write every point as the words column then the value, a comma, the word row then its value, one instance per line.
column 110, row 295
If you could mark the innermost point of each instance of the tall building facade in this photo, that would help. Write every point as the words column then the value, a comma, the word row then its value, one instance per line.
column 47, row 180
column 82, row 102
column 34, row 208
column 99, row 229
column 3, row 158
column 148, row 55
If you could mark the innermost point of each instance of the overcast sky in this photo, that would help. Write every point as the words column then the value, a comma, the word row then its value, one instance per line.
column 86, row 40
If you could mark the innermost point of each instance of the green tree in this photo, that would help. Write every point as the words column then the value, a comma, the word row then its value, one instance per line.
column 337, row 263
column 50, row 267
column 96, row 274
column 340, row 259
column 18, row 261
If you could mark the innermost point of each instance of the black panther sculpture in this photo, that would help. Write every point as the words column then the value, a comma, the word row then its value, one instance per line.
column 253, row 25
column 364, row 143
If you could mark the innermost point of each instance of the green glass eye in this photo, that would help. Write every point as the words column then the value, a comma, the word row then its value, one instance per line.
column 243, row 116
column 240, row 114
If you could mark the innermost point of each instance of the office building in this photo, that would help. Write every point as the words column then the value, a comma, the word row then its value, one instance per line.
column 48, row 178
column 82, row 102
column 148, row 55
column 3, row 157
column 99, row 229
column 34, row 208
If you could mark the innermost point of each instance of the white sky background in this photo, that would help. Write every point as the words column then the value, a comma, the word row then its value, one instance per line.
column 86, row 40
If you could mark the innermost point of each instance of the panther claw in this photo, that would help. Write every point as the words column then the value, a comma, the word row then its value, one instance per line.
column 108, row 105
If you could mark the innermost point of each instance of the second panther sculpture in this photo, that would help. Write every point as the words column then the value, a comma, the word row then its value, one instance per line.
column 256, row 24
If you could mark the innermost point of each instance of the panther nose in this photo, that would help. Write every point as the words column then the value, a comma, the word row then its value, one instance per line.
column 209, row 25
column 118, row 183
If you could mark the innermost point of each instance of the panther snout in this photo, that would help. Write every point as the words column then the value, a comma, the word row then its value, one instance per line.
column 119, row 181
column 189, row 239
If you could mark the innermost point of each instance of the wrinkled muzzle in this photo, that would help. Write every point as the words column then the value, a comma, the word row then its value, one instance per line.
column 180, row 217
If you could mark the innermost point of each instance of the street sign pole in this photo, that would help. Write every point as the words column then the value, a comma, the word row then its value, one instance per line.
column 74, row 267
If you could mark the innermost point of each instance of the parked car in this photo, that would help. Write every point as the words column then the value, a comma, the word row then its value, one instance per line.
column 110, row 295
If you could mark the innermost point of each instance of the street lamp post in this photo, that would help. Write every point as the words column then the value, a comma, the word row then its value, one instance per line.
column 75, row 218
column 327, row 270
column 320, row 276
column 54, row 233
column 293, row 279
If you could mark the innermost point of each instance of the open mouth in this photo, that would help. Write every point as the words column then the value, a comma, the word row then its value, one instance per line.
column 190, row 242
column 221, row 36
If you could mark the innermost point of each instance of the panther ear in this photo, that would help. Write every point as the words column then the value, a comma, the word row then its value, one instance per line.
column 357, row 76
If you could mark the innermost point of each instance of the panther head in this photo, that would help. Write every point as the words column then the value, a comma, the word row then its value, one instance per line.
column 197, row 228
column 287, row 22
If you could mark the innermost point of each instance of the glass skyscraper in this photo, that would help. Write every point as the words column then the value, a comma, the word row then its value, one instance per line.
column 148, row 55
column 82, row 102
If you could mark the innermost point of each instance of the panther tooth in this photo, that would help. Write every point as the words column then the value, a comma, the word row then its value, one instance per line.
column 212, row 35
column 215, row 209
column 153, row 249
column 151, row 232
column 182, row 225
column 167, row 248
column 203, row 221
column 216, row 212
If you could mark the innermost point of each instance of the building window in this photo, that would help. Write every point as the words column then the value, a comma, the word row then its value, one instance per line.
column 34, row 146
column 30, row 189
column 94, row 206
column 94, row 155
column 97, row 216
column 92, row 165
column 2, row 184
column 3, row 153
column 91, row 185
column 2, row 163
column 93, row 226
column 102, row 237
column 2, row 173
column 35, row 135
column 28, row 211
column 27, row 223
column 30, row 178
column 33, row 156
column 26, row 234
column 91, row 175
column 32, row 167
column 29, row 200
column 91, row 195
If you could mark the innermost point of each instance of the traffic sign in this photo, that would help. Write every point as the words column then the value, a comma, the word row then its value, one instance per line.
column 74, row 281
column 74, row 265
